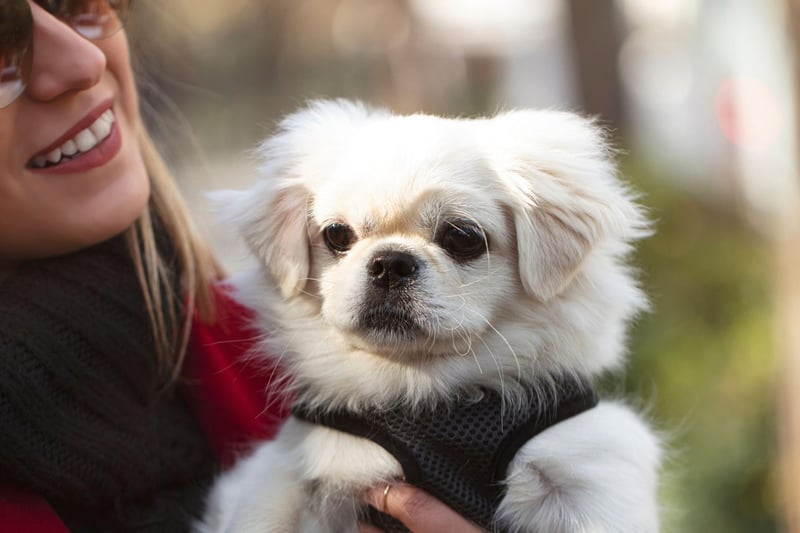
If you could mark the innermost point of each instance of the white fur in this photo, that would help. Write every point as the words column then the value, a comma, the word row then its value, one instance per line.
column 552, row 296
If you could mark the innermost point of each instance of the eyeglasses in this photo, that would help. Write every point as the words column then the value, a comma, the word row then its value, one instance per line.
column 93, row 19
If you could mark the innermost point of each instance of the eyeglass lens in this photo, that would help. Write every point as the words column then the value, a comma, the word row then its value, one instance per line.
column 16, row 33
column 93, row 19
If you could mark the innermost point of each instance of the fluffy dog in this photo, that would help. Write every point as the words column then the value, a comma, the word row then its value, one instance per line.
column 414, row 262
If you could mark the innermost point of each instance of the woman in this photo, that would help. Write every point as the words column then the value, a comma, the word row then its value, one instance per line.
column 117, row 402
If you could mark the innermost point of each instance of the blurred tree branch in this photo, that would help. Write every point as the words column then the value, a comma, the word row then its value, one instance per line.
column 597, row 35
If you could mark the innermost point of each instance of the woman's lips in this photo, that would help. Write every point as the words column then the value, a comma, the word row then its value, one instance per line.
column 89, row 148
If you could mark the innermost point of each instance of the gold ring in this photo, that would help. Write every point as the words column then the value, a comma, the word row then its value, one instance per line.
column 386, row 495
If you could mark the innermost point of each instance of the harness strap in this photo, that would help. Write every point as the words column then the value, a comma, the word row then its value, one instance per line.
column 459, row 452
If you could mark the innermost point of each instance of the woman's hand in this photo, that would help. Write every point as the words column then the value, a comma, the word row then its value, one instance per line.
column 418, row 510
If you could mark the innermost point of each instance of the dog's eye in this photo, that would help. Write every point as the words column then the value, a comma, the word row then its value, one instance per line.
column 462, row 241
column 338, row 237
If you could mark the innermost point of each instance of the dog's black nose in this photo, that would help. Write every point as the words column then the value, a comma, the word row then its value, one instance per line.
column 392, row 269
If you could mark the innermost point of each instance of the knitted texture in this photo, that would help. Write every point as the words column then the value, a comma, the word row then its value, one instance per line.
column 85, row 420
column 459, row 451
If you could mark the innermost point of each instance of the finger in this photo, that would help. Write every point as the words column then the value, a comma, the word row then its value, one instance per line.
column 419, row 511
column 364, row 528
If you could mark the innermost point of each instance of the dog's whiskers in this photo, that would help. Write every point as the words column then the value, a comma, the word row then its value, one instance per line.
column 281, row 383
column 465, row 337
column 488, row 275
column 462, row 295
column 477, row 361
column 311, row 294
column 434, row 337
column 504, row 339
column 500, row 374
column 462, row 331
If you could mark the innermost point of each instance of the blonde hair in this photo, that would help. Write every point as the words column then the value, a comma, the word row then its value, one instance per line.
column 196, row 263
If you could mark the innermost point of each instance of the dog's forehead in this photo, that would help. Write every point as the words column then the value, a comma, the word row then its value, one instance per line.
column 417, row 210
column 391, row 163
column 406, row 193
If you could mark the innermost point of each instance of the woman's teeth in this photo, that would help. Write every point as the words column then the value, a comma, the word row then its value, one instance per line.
column 84, row 141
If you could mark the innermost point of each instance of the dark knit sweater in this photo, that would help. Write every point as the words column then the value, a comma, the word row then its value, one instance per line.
column 84, row 419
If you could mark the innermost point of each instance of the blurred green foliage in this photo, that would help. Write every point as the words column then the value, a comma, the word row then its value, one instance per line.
column 702, row 362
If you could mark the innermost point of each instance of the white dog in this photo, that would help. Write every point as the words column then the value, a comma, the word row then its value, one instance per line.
column 417, row 264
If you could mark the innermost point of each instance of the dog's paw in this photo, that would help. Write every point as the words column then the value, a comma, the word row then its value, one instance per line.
column 261, row 493
column 596, row 472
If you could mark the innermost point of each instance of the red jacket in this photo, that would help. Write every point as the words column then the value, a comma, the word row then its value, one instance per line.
column 224, row 388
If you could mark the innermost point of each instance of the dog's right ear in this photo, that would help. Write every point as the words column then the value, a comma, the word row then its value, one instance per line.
column 272, row 218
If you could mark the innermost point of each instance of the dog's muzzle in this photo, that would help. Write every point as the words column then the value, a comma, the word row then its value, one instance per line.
column 390, row 305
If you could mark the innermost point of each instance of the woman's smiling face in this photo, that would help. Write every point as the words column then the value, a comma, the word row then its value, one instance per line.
column 71, row 170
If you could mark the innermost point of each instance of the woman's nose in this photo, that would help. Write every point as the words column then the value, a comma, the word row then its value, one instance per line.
column 63, row 60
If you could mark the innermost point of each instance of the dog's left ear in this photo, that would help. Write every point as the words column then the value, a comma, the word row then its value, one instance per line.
column 564, row 194
column 272, row 218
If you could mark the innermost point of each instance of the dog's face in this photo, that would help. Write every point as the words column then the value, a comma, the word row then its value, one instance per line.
column 420, row 240
column 413, row 253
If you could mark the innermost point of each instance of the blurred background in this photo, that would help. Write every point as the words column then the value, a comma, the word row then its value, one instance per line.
column 701, row 96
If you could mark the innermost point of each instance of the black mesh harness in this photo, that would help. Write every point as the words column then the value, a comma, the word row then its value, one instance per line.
column 460, row 451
